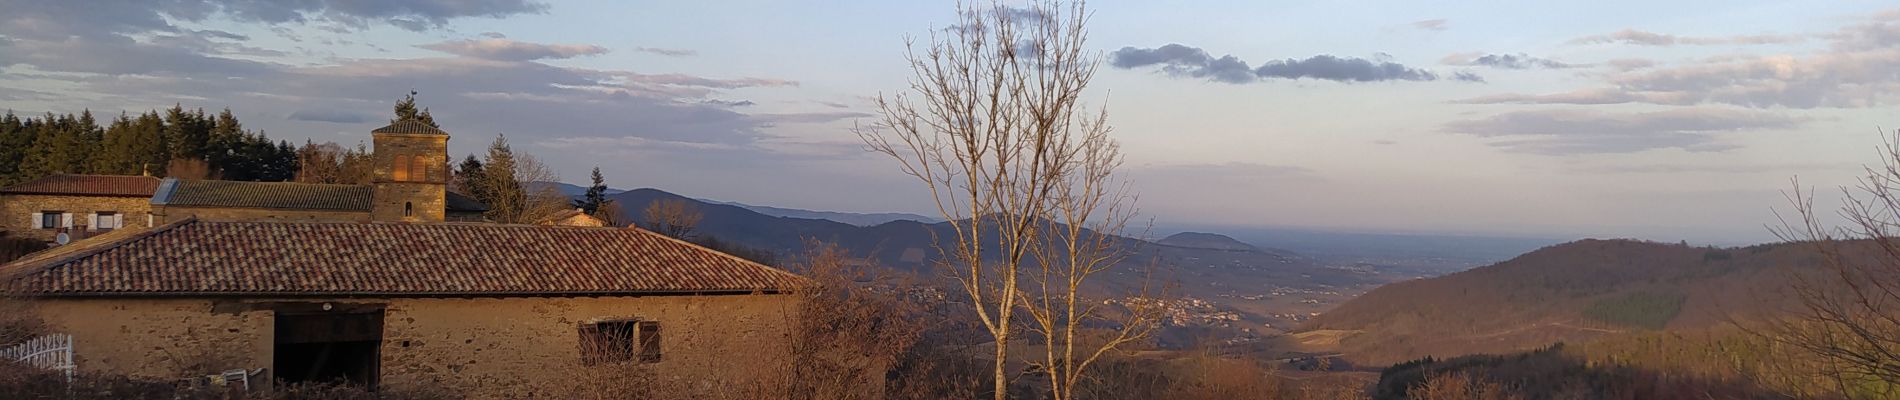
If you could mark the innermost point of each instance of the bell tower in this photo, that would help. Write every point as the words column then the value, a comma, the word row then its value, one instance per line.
column 411, row 174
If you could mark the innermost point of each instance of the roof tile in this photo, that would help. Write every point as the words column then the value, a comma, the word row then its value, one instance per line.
column 281, row 195
column 315, row 258
column 87, row 185
column 410, row 126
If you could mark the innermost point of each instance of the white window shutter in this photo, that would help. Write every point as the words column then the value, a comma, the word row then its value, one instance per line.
column 66, row 220
column 38, row 220
column 92, row 222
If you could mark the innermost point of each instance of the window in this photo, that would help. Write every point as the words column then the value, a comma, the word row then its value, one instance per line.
column 620, row 341
column 419, row 169
column 408, row 209
column 107, row 220
column 50, row 219
column 649, row 342
column 401, row 169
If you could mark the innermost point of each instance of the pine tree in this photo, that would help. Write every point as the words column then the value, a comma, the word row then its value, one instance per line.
column 596, row 196
column 53, row 147
column 150, row 148
column 88, row 142
column 14, row 143
column 187, row 132
column 504, row 195
column 469, row 178
column 406, row 110
column 117, row 149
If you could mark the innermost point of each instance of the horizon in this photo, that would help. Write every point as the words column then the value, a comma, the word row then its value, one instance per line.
column 1684, row 121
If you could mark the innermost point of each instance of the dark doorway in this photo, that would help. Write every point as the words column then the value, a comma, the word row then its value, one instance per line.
column 329, row 346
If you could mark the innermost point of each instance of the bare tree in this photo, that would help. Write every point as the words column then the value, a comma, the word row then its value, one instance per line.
column 993, row 124
column 1848, row 310
column 543, row 199
column 672, row 217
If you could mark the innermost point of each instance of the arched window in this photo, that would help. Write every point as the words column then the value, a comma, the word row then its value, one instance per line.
column 420, row 170
column 408, row 209
column 402, row 168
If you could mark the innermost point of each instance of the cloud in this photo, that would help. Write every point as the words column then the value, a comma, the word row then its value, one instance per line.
column 135, row 58
column 1184, row 61
column 1586, row 96
column 808, row 117
column 1228, row 173
column 1860, row 68
column 729, row 103
column 667, row 52
column 1435, row 25
column 1342, row 69
column 1631, row 64
column 510, row 50
column 332, row 115
column 1751, row 168
column 47, row 19
column 1583, row 131
column 1643, row 38
column 1505, row 61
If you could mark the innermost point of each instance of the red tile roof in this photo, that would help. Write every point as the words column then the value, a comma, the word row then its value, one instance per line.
column 87, row 185
column 409, row 126
column 194, row 257
column 280, row 195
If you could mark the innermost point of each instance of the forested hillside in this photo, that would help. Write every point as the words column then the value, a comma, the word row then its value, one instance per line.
column 1571, row 292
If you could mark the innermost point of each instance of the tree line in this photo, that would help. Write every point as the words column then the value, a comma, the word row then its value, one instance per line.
column 192, row 144
column 173, row 142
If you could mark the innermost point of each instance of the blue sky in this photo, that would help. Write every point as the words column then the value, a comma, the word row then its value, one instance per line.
column 1659, row 120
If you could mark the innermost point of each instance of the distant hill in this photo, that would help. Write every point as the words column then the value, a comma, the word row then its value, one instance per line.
column 1214, row 275
column 859, row 219
column 1201, row 240
column 569, row 189
column 1429, row 253
column 1569, row 292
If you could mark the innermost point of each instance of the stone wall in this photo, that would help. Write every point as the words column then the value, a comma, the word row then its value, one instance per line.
column 16, row 211
column 173, row 213
column 159, row 338
column 486, row 347
column 425, row 202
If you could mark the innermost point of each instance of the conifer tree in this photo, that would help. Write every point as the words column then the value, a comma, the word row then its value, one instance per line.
column 406, row 110
column 469, row 178
column 596, row 196
column 504, row 195
column 14, row 143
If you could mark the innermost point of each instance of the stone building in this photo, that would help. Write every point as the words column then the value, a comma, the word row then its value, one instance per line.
column 379, row 285
column 574, row 217
column 409, row 184
column 42, row 208
column 498, row 311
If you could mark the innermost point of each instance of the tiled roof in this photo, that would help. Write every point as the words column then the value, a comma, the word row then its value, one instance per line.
column 195, row 257
column 409, row 126
column 87, row 185
column 280, row 195
column 453, row 202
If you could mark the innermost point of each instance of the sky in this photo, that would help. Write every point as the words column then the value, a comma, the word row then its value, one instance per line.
column 1680, row 120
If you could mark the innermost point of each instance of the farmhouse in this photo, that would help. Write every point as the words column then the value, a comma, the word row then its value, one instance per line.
column 376, row 285
column 75, row 204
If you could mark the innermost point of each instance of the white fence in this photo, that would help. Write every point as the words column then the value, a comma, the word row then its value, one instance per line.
column 54, row 352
